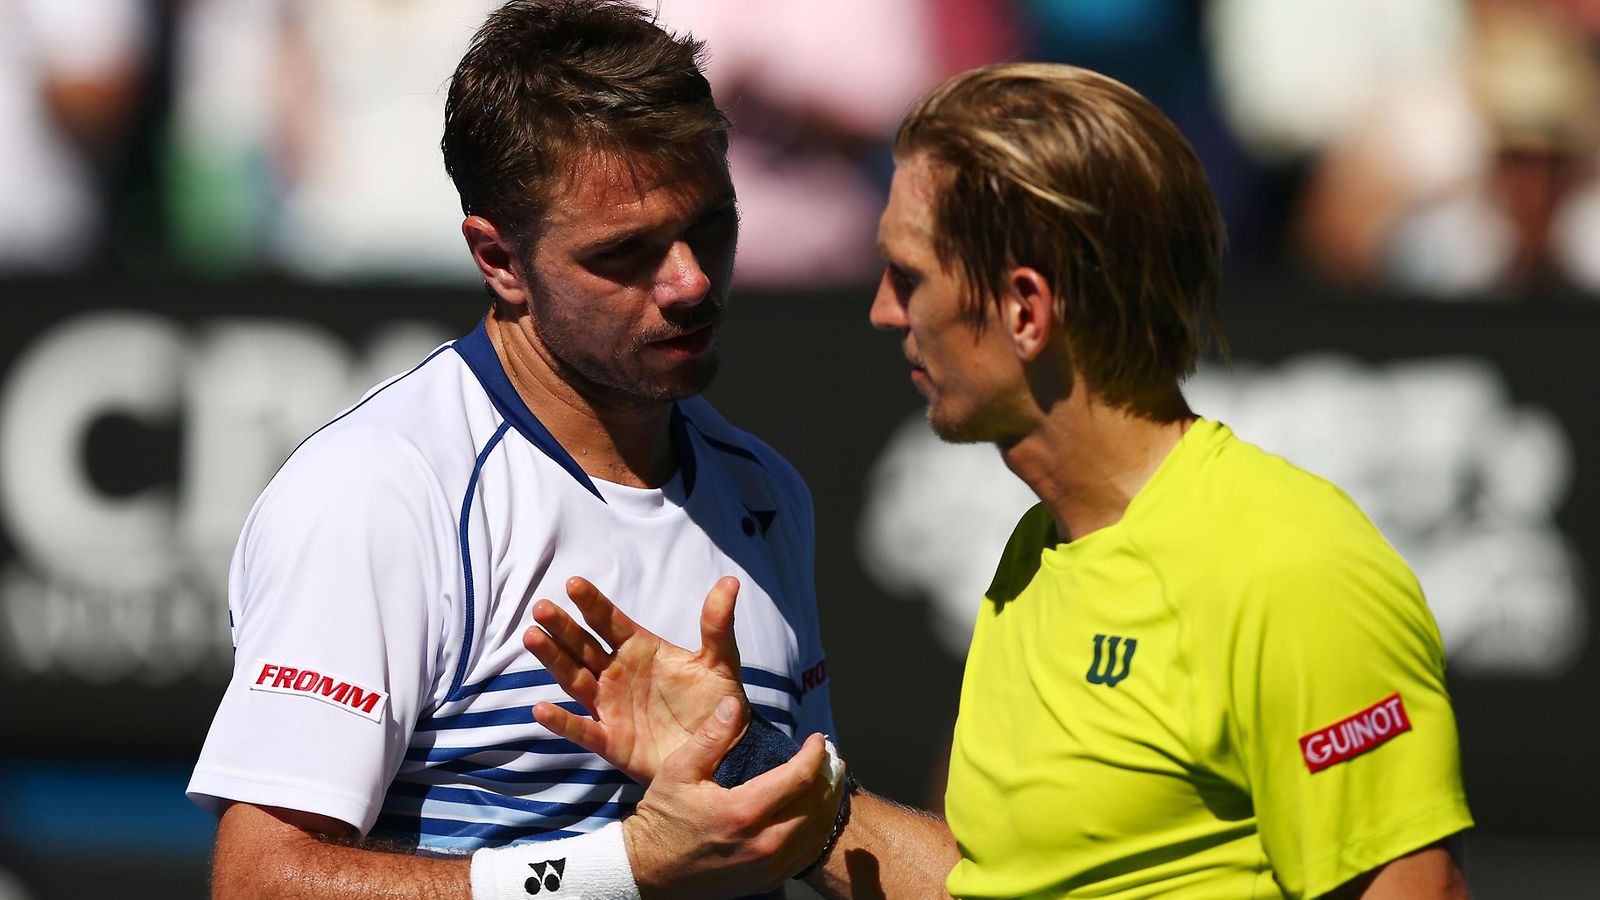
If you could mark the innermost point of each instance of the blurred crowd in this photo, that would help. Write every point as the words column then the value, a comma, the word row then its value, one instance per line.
column 1442, row 148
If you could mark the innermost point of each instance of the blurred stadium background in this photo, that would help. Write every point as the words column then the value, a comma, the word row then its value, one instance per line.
column 222, row 220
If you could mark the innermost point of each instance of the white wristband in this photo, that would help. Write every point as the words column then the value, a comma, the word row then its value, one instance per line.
column 590, row 866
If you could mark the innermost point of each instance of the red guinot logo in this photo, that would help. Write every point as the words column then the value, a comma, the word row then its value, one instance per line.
column 1372, row 727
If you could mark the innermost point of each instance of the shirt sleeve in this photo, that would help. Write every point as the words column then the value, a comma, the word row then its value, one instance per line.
column 336, row 593
column 1344, row 723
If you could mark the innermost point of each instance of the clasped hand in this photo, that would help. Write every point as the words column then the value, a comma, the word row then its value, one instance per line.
column 665, row 716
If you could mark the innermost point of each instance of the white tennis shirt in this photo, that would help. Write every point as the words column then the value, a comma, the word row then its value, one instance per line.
column 383, row 581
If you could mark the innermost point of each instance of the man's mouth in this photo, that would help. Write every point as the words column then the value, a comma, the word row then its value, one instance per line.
column 691, row 342
column 919, row 375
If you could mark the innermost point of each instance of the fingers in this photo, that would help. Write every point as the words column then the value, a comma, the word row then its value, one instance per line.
column 807, row 801
column 700, row 754
column 581, row 730
column 576, row 679
column 578, row 643
column 717, row 646
column 612, row 624
column 778, row 787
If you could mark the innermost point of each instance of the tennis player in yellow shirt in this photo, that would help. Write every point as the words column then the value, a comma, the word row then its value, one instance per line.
column 1199, row 672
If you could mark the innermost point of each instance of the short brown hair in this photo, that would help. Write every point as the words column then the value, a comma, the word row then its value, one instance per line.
column 1076, row 175
column 547, row 82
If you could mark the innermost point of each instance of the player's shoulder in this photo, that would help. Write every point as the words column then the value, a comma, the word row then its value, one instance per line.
column 417, row 426
column 1254, row 525
column 742, row 452
column 1253, row 497
column 424, row 399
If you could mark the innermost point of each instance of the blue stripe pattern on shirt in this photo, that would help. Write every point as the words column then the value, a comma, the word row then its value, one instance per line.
column 451, row 835
column 495, row 792
column 502, row 775
column 773, row 680
column 513, row 715
column 544, row 809
column 510, row 681
column 542, row 746
column 777, row 715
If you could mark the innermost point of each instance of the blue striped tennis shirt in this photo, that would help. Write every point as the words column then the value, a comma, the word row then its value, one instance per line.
column 384, row 579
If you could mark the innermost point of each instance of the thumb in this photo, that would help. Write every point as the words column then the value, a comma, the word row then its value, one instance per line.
column 699, row 756
column 717, row 645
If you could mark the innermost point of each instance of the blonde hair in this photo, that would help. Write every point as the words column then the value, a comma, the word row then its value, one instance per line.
column 1077, row 176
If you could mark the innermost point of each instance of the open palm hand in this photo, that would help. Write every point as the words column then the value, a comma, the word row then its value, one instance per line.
column 648, row 696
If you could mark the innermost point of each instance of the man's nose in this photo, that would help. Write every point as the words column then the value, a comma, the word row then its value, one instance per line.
column 681, row 280
column 888, row 312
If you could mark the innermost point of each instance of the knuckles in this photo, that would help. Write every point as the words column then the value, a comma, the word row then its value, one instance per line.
column 748, row 819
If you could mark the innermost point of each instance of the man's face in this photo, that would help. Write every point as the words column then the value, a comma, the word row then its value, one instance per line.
column 630, row 276
column 966, row 372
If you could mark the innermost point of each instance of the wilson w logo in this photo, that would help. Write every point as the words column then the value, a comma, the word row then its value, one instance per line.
column 1106, row 677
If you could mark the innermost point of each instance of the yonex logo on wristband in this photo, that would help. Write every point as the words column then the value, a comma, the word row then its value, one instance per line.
column 331, row 689
column 546, row 875
column 1376, row 725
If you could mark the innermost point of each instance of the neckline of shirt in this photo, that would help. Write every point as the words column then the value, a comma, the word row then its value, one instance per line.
column 642, row 501
column 1179, row 461
column 477, row 351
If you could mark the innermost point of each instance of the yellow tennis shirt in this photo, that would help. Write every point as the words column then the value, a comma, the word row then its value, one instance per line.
column 1236, row 691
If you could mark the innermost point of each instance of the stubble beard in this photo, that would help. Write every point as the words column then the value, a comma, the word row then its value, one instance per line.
column 953, row 431
column 979, row 426
column 623, row 381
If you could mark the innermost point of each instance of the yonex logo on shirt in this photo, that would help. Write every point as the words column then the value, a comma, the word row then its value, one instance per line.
column 1373, row 726
column 758, row 519
column 331, row 689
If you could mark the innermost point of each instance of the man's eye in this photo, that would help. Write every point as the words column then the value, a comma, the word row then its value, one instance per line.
column 718, row 218
column 618, row 251
column 901, row 281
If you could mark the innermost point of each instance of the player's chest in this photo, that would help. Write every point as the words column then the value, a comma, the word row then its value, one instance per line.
column 1085, row 668
column 1077, row 723
column 530, row 531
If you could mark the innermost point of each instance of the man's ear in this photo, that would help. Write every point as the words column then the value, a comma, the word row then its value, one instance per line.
column 1030, row 313
column 496, row 256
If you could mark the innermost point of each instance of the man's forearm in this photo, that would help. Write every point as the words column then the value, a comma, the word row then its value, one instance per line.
column 261, row 854
column 890, row 851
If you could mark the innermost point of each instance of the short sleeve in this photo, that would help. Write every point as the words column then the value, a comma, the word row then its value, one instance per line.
column 1344, row 724
column 336, row 593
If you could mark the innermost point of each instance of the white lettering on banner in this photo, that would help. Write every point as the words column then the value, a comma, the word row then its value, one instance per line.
column 1348, row 738
column 108, row 588
column 1463, row 482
